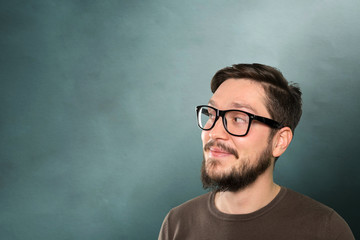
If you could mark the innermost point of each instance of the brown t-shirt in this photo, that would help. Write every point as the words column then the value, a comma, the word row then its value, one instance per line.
column 289, row 216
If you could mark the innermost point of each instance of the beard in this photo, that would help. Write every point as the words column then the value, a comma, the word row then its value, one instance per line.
column 239, row 177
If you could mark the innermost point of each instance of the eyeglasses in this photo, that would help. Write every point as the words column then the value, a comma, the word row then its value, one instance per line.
column 236, row 122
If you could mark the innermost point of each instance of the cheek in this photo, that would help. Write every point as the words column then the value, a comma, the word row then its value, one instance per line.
column 252, row 143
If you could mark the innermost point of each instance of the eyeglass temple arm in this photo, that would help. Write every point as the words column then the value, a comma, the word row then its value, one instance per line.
column 268, row 121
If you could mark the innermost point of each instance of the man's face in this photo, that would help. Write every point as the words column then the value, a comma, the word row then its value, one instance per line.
column 236, row 160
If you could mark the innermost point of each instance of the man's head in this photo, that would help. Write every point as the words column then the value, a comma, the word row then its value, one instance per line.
column 283, row 100
column 231, row 161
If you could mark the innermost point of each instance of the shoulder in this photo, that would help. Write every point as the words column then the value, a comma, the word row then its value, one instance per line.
column 321, row 216
column 299, row 200
column 305, row 206
column 181, row 218
column 198, row 204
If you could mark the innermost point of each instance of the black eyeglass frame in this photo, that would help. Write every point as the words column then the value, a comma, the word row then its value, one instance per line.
column 221, row 113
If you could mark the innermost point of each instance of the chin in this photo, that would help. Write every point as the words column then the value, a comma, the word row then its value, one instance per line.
column 218, row 170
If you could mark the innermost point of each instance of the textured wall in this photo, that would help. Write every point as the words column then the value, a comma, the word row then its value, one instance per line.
column 97, row 131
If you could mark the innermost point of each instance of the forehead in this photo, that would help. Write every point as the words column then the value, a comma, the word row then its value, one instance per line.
column 243, row 94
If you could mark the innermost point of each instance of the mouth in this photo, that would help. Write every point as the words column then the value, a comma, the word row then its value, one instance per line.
column 218, row 152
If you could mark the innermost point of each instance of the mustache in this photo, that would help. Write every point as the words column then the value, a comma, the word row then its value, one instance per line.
column 222, row 146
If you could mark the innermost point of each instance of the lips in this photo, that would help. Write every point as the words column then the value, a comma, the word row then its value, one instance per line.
column 218, row 152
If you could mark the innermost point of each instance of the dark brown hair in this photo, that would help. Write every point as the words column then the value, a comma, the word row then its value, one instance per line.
column 283, row 99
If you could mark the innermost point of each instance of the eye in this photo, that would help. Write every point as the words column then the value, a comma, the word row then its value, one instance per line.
column 239, row 120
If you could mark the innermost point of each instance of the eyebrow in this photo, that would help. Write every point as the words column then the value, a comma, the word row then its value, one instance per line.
column 236, row 105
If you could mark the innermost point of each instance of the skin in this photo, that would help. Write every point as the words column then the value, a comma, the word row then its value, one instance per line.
column 246, row 95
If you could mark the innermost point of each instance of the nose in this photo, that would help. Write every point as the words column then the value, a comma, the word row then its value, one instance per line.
column 218, row 131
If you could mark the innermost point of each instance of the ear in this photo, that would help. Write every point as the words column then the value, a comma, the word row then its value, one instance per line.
column 281, row 141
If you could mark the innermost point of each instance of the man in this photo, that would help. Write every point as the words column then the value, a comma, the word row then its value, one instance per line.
column 248, row 123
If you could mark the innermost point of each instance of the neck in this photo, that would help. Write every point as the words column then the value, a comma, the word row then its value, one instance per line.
column 249, row 199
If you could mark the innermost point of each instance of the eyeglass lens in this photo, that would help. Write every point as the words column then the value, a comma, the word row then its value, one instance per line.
column 236, row 122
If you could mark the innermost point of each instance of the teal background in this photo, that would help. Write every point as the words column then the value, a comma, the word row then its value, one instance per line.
column 97, row 131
